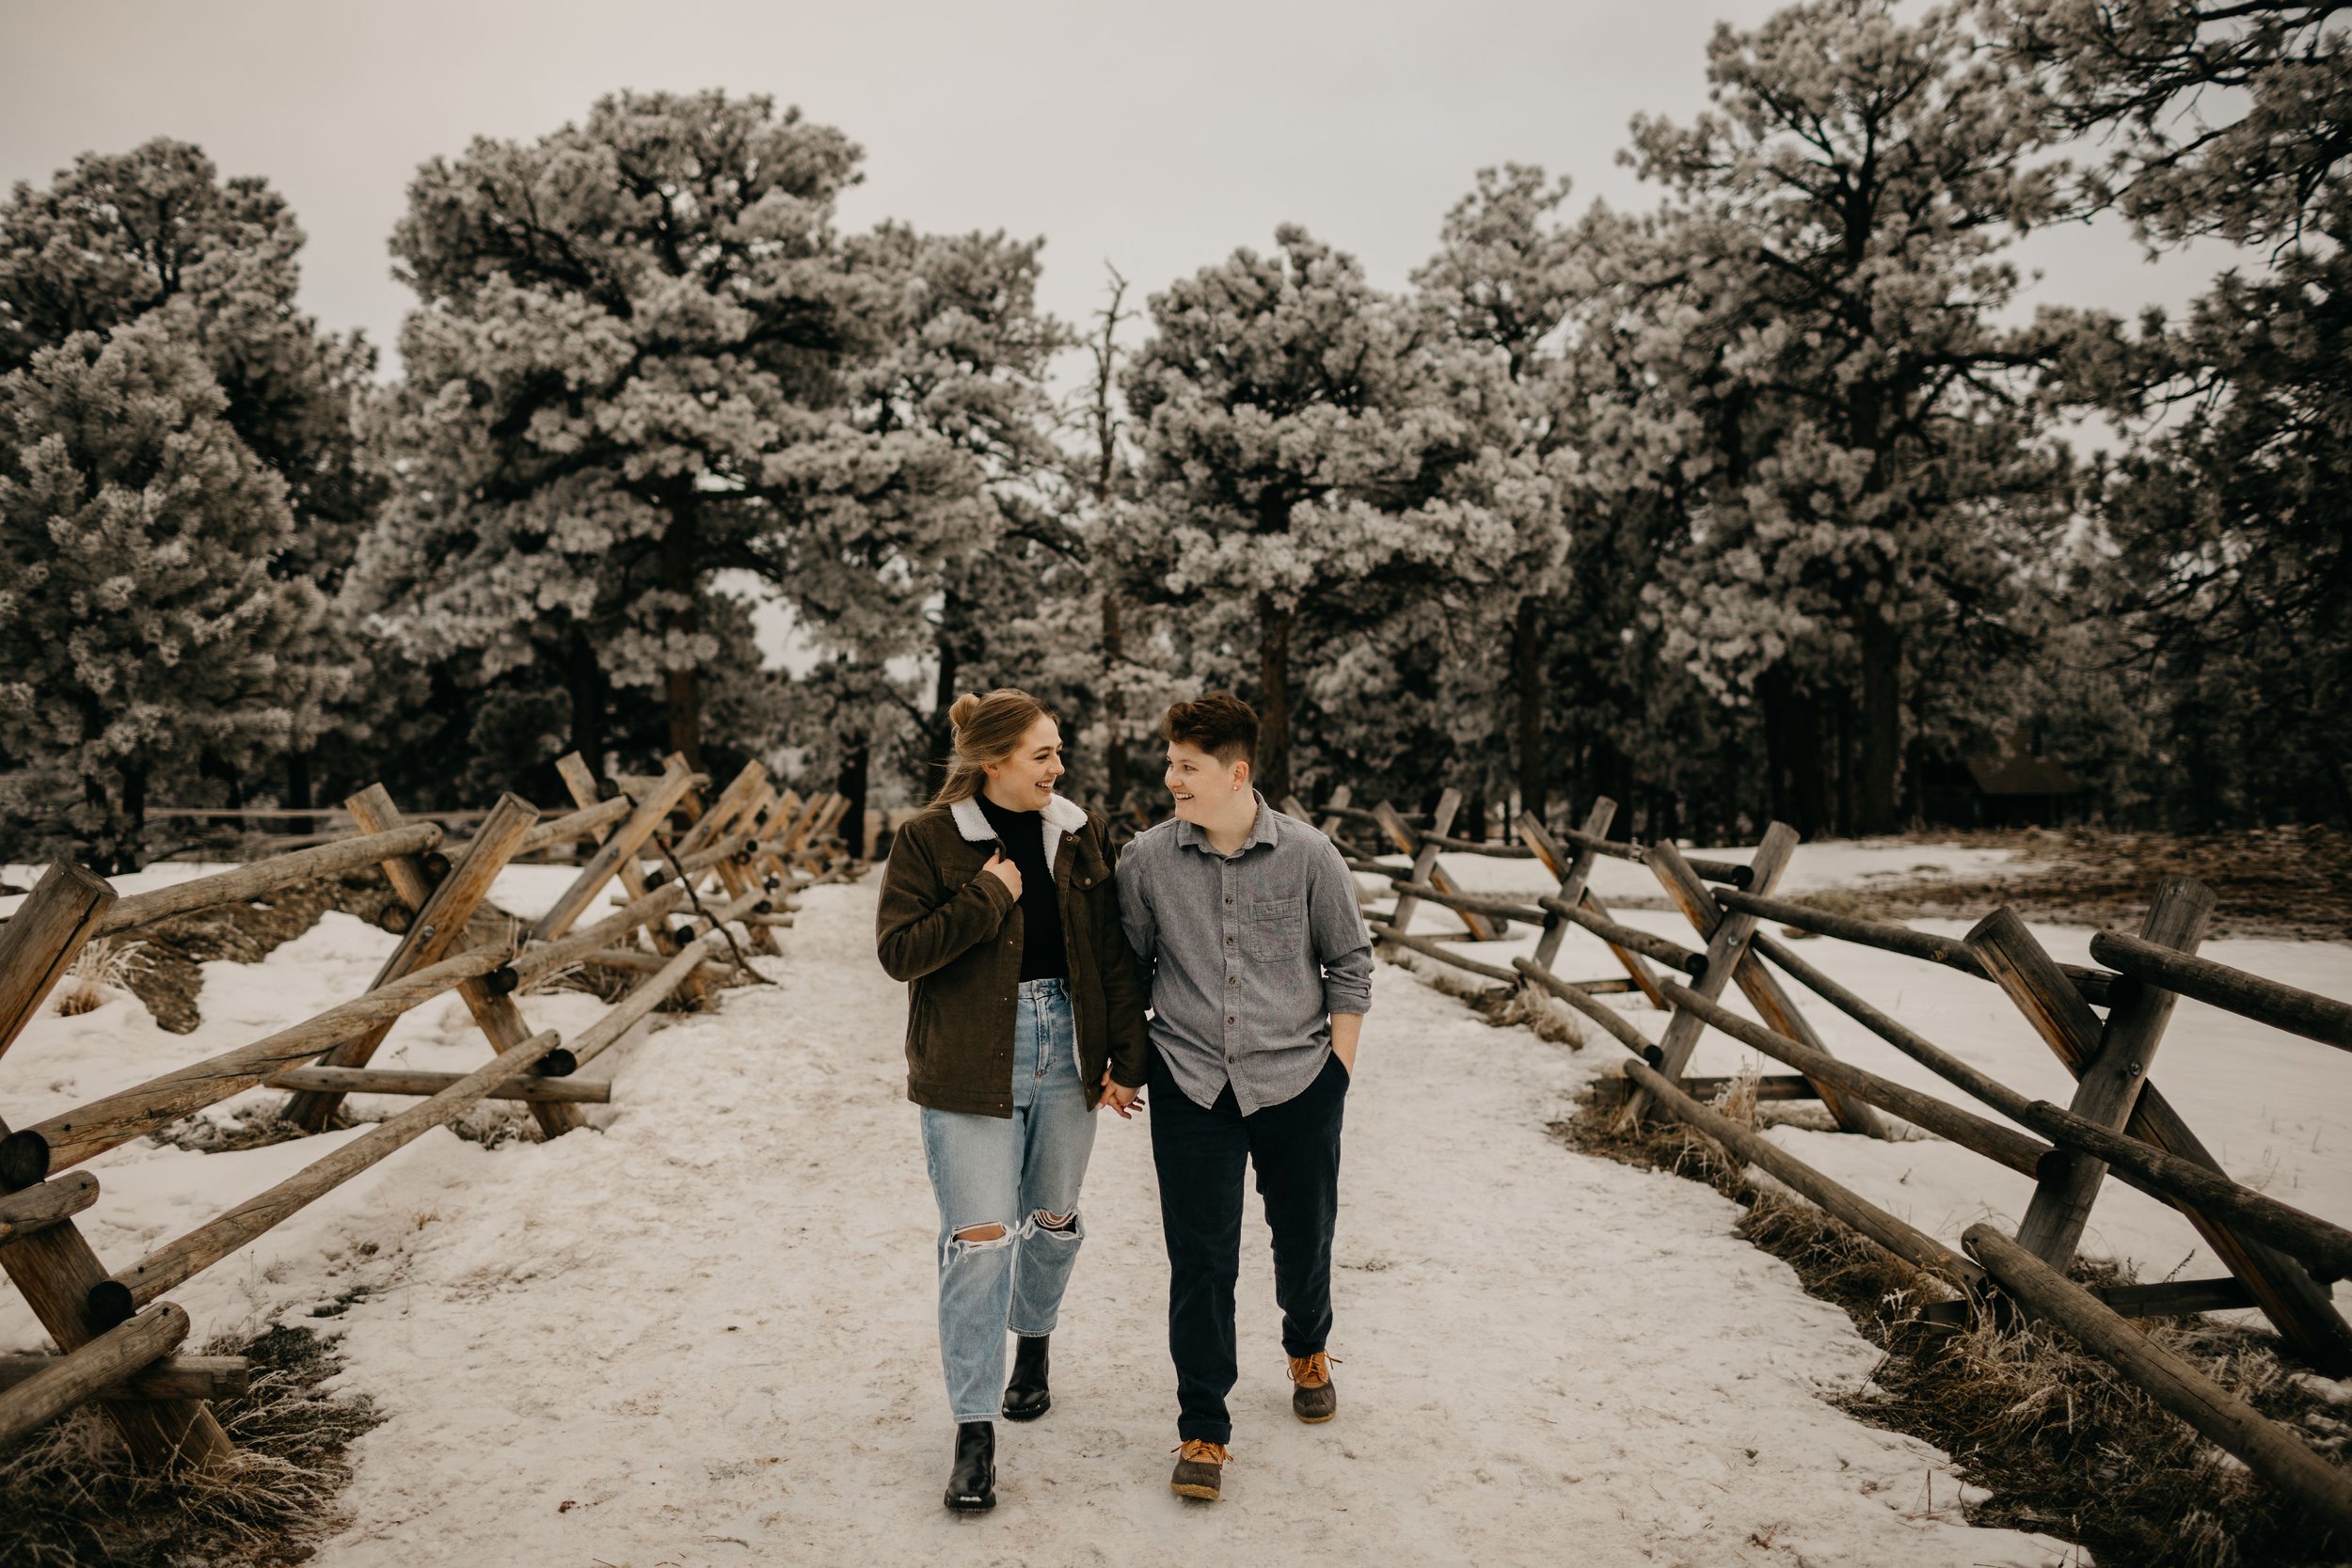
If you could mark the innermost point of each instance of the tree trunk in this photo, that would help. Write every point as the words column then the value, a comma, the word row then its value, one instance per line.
column 1527, row 673
column 1847, row 765
column 1914, row 808
column 1875, row 796
column 941, row 750
column 127, row 855
column 584, row 678
column 680, row 550
column 1731, row 765
column 852, row 787
column 1796, row 719
column 1274, row 698
column 1114, row 708
column 1613, row 773
column 1776, row 761
column 300, row 792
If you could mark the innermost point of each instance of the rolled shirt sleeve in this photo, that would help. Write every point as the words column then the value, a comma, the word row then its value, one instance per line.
column 1343, row 945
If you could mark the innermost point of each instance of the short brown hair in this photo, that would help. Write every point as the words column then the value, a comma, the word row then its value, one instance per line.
column 1219, row 723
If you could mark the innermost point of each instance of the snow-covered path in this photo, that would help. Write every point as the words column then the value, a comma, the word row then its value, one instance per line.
column 703, row 1336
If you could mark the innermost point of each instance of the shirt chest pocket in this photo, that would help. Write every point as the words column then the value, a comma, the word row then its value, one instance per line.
column 1274, row 929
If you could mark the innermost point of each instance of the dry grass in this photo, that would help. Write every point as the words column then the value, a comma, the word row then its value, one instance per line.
column 102, row 965
column 226, row 1132
column 2293, row 883
column 1538, row 1012
column 71, row 1494
column 2066, row 1445
column 177, row 949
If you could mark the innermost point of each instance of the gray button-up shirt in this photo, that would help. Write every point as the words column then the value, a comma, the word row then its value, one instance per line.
column 1248, row 954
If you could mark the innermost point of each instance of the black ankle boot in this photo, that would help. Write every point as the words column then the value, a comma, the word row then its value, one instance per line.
column 1026, row 1397
column 971, row 1484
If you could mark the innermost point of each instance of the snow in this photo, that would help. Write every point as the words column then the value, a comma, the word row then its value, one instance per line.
column 2275, row 1110
column 701, row 1332
column 1847, row 863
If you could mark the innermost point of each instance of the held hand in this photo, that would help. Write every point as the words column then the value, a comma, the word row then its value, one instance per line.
column 1120, row 1097
column 1005, row 872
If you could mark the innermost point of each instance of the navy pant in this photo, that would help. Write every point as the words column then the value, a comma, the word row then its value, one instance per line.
column 1200, row 1155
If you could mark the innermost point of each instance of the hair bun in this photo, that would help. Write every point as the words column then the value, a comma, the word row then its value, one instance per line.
column 961, row 712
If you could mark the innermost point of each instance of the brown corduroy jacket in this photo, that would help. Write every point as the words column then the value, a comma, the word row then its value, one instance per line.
column 953, row 933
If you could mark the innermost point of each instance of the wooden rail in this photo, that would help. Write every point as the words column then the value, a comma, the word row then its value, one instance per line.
column 114, row 1331
column 2281, row 1260
column 2298, row 1012
column 242, row 882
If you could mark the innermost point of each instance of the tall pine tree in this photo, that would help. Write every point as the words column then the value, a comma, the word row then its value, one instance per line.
column 1313, row 454
column 156, row 235
column 143, row 634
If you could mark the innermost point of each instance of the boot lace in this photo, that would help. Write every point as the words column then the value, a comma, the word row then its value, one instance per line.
column 1311, row 1371
column 1199, row 1451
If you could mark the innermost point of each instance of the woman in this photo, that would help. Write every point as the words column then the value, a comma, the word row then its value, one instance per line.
column 1024, row 1013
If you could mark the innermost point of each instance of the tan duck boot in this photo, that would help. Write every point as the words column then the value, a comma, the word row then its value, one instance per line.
column 1200, row 1469
column 1314, row 1400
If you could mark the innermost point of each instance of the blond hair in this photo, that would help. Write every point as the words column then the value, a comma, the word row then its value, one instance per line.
column 988, row 729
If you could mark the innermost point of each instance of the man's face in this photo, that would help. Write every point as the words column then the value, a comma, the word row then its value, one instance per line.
column 1199, row 784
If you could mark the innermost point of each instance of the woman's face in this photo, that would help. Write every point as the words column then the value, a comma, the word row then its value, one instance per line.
column 1025, row 781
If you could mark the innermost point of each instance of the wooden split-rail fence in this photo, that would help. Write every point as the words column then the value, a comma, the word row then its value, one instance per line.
column 2104, row 1024
column 691, row 876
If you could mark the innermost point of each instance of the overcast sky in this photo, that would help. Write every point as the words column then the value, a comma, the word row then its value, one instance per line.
column 1155, row 136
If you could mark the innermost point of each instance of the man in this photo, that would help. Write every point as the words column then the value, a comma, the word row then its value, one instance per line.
column 1260, row 970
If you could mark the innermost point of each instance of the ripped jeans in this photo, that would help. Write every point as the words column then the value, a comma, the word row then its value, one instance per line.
column 1019, row 1176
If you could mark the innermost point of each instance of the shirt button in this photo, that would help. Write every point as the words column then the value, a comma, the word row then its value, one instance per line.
column 1228, row 942
column 1229, row 897
column 1229, row 1020
column 1230, row 980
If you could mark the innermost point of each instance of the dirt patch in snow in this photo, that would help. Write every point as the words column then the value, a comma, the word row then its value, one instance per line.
column 2291, row 883
column 72, row 1494
column 2052, row 1439
column 168, row 970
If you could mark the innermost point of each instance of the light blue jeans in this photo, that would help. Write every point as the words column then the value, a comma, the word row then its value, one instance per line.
column 1012, row 1173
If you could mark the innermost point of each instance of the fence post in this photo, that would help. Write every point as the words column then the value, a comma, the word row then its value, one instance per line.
column 582, row 785
column 735, row 803
column 2297, row 1306
column 617, row 854
column 39, row 941
column 440, row 921
column 2110, row 1084
column 1333, row 821
column 1424, row 851
column 1771, row 1002
column 1575, row 873
column 54, row 1267
column 1725, row 945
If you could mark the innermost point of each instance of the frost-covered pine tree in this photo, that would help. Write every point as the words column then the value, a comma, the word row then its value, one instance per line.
column 2229, row 564
column 1878, row 449
column 143, row 634
column 1313, row 455
column 156, row 235
column 1502, row 281
column 973, row 585
column 632, row 367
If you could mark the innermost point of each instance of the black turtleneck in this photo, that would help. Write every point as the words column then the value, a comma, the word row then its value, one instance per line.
column 1022, row 834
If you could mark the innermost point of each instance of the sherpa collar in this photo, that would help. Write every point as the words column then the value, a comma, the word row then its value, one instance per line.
column 1061, row 815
